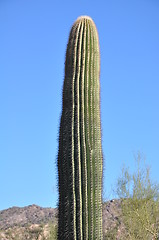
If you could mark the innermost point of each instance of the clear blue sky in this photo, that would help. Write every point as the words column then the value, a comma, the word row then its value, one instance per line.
column 33, row 38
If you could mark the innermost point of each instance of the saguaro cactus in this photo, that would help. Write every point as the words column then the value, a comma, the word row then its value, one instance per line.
column 80, row 151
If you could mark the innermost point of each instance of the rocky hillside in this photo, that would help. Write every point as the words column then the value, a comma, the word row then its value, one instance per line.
column 37, row 223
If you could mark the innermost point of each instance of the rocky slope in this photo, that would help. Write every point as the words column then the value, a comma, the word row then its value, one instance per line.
column 34, row 222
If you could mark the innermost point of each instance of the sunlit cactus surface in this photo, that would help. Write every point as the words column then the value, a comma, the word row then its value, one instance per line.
column 80, row 152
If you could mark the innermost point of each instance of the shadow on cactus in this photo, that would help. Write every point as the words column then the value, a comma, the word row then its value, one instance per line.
column 80, row 158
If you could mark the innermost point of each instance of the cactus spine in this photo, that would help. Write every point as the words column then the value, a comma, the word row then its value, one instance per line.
column 80, row 151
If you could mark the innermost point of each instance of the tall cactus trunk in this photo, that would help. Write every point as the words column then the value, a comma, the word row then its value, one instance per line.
column 80, row 152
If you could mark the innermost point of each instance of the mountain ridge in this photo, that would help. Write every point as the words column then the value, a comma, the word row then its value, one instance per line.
column 36, row 219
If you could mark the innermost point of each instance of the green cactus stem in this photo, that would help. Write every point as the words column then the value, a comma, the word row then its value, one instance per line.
column 80, row 152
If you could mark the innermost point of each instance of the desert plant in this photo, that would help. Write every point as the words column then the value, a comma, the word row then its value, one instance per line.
column 80, row 151
column 52, row 232
column 140, row 202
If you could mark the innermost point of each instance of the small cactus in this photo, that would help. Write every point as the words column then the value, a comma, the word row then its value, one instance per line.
column 80, row 151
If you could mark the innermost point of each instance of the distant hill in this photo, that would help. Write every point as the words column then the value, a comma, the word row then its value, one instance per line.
column 37, row 223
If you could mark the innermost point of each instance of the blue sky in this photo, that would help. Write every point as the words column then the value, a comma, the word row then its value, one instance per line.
column 33, row 39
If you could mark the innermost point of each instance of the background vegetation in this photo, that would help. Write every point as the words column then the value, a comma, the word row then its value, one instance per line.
column 139, row 202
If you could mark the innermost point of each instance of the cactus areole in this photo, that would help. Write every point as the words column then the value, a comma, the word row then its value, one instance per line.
column 80, row 151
